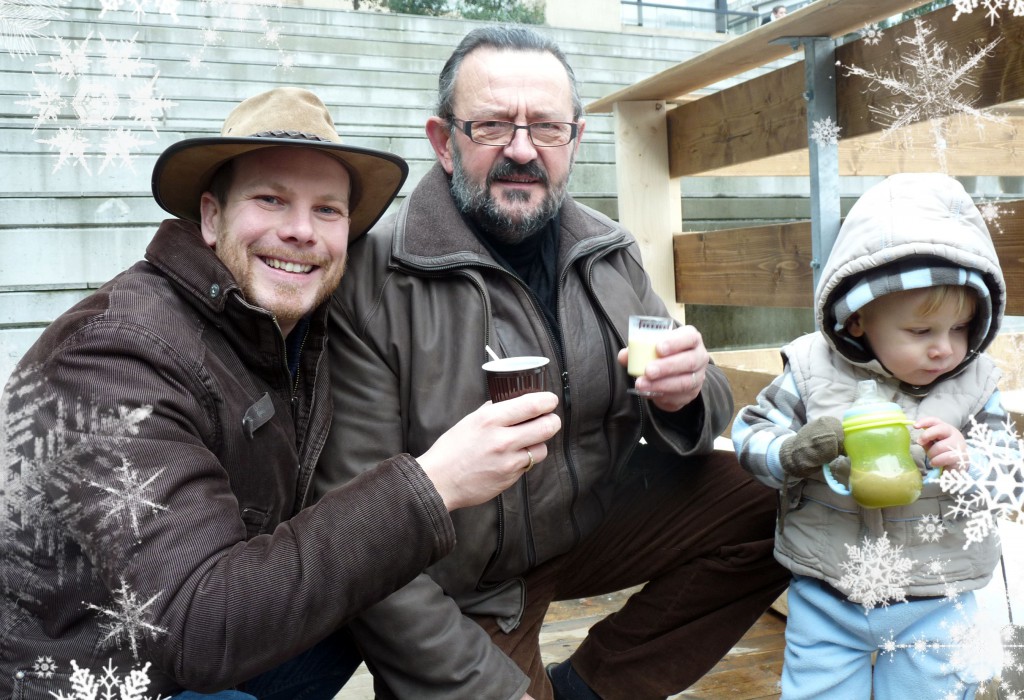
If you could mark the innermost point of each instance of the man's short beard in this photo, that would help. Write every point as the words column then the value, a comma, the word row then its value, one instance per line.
column 477, row 203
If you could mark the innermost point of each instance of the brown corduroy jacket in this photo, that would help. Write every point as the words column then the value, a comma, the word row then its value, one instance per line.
column 157, row 467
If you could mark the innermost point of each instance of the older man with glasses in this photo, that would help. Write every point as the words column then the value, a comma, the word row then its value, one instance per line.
column 490, row 253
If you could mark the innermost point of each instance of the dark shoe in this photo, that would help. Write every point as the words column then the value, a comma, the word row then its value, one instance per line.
column 567, row 684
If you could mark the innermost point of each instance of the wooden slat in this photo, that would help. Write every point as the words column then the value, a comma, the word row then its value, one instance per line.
column 755, row 266
column 755, row 48
column 766, row 116
column 771, row 265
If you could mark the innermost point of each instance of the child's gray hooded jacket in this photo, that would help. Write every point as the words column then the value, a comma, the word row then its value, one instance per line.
column 910, row 231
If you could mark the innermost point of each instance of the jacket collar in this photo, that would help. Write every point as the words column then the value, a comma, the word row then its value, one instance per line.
column 180, row 253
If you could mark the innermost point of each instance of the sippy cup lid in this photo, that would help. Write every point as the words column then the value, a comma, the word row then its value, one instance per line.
column 870, row 411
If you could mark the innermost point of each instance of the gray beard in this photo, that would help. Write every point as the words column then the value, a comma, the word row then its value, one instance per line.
column 477, row 203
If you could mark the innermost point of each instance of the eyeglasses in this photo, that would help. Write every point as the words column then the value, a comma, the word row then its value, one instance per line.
column 542, row 134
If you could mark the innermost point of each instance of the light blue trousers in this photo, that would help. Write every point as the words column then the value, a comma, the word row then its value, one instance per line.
column 829, row 642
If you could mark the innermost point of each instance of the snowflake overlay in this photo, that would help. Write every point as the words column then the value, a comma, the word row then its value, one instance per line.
column 930, row 528
column 825, row 132
column 87, row 686
column 970, row 650
column 231, row 15
column 992, row 8
column 991, row 212
column 21, row 23
column 928, row 88
column 128, row 621
column 120, row 93
column 876, row 574
column 993, row 488
column 44, row 667
column 871, row 34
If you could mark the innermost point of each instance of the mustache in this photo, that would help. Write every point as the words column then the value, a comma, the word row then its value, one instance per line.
column 508, row 168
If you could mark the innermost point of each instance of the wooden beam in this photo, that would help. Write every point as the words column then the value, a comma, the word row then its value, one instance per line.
column 832, row 18
column 649, row 199
column 771, row 265
column 994, row 150
column 766, row 117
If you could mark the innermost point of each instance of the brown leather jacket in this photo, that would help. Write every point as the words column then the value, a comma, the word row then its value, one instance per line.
column 158, row 456
column 422, row 299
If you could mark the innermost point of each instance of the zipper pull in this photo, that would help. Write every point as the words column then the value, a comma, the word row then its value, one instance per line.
column 566, row 401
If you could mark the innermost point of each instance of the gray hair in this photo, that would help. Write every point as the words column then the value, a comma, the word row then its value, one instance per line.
column 501, row 38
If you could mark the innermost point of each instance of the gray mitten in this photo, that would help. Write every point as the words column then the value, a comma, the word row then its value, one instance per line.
column 817, row 443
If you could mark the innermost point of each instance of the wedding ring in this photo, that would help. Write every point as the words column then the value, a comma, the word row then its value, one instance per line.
column 531, row 463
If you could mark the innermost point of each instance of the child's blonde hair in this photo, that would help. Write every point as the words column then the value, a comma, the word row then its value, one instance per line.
column 963, row 297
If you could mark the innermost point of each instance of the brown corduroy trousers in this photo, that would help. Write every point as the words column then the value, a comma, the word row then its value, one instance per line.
column 700, row 536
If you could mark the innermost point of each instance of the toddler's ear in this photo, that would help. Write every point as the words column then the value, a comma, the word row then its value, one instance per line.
column 854, row 326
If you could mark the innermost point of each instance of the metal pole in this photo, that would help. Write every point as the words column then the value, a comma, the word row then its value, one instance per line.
column 820, row 81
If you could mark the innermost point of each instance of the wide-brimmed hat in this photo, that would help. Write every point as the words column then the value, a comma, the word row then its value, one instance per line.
column 285, row 116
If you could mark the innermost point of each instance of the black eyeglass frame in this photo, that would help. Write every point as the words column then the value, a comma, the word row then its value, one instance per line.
column 467, row 129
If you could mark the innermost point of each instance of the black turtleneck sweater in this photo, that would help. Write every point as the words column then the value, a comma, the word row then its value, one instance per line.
column 534, row 261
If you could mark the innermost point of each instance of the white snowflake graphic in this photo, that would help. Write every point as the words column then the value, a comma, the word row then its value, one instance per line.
column 871, row 34
column 825, row 132
column 119, row 145
column 971, row 646
column 128, row 499
column 992, row 8
column 993, row 488
column 108, row 87
column 47, row 103
column 108, row 686
column 991, row 211
column 930, row 528
column 22, row 22
column 876, row 574
column 120, row 58
column 71, row 145
column 73, row 59
column 230, row 16
column 127, row 620
column 44, row 667
column 928, row 88
column 49, row 450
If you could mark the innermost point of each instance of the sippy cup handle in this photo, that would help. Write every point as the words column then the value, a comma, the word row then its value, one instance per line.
column 834, row 483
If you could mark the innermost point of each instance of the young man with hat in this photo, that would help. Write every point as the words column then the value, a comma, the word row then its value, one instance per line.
column 159, row 440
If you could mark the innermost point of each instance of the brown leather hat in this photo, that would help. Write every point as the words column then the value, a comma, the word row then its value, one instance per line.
column 285, row 116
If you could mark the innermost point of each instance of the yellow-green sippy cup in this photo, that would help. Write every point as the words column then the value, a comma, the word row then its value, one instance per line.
column 876, row 438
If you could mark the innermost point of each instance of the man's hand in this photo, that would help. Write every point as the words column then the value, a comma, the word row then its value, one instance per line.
column 817, row 443
column 488, row 450
column 678, row 373
column 944, row 444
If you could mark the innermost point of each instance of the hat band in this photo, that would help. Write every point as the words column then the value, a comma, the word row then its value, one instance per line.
column 290, row 135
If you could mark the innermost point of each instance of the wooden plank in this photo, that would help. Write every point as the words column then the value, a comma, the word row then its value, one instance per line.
column 770, row 265
column 766, row 116
column 754, row 266
column 755, row 48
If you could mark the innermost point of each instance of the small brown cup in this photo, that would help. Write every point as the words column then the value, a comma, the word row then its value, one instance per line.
column 510, row 377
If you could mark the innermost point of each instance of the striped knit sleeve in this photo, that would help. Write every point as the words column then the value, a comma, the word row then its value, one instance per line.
column 993, row 443
column 760, row 430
